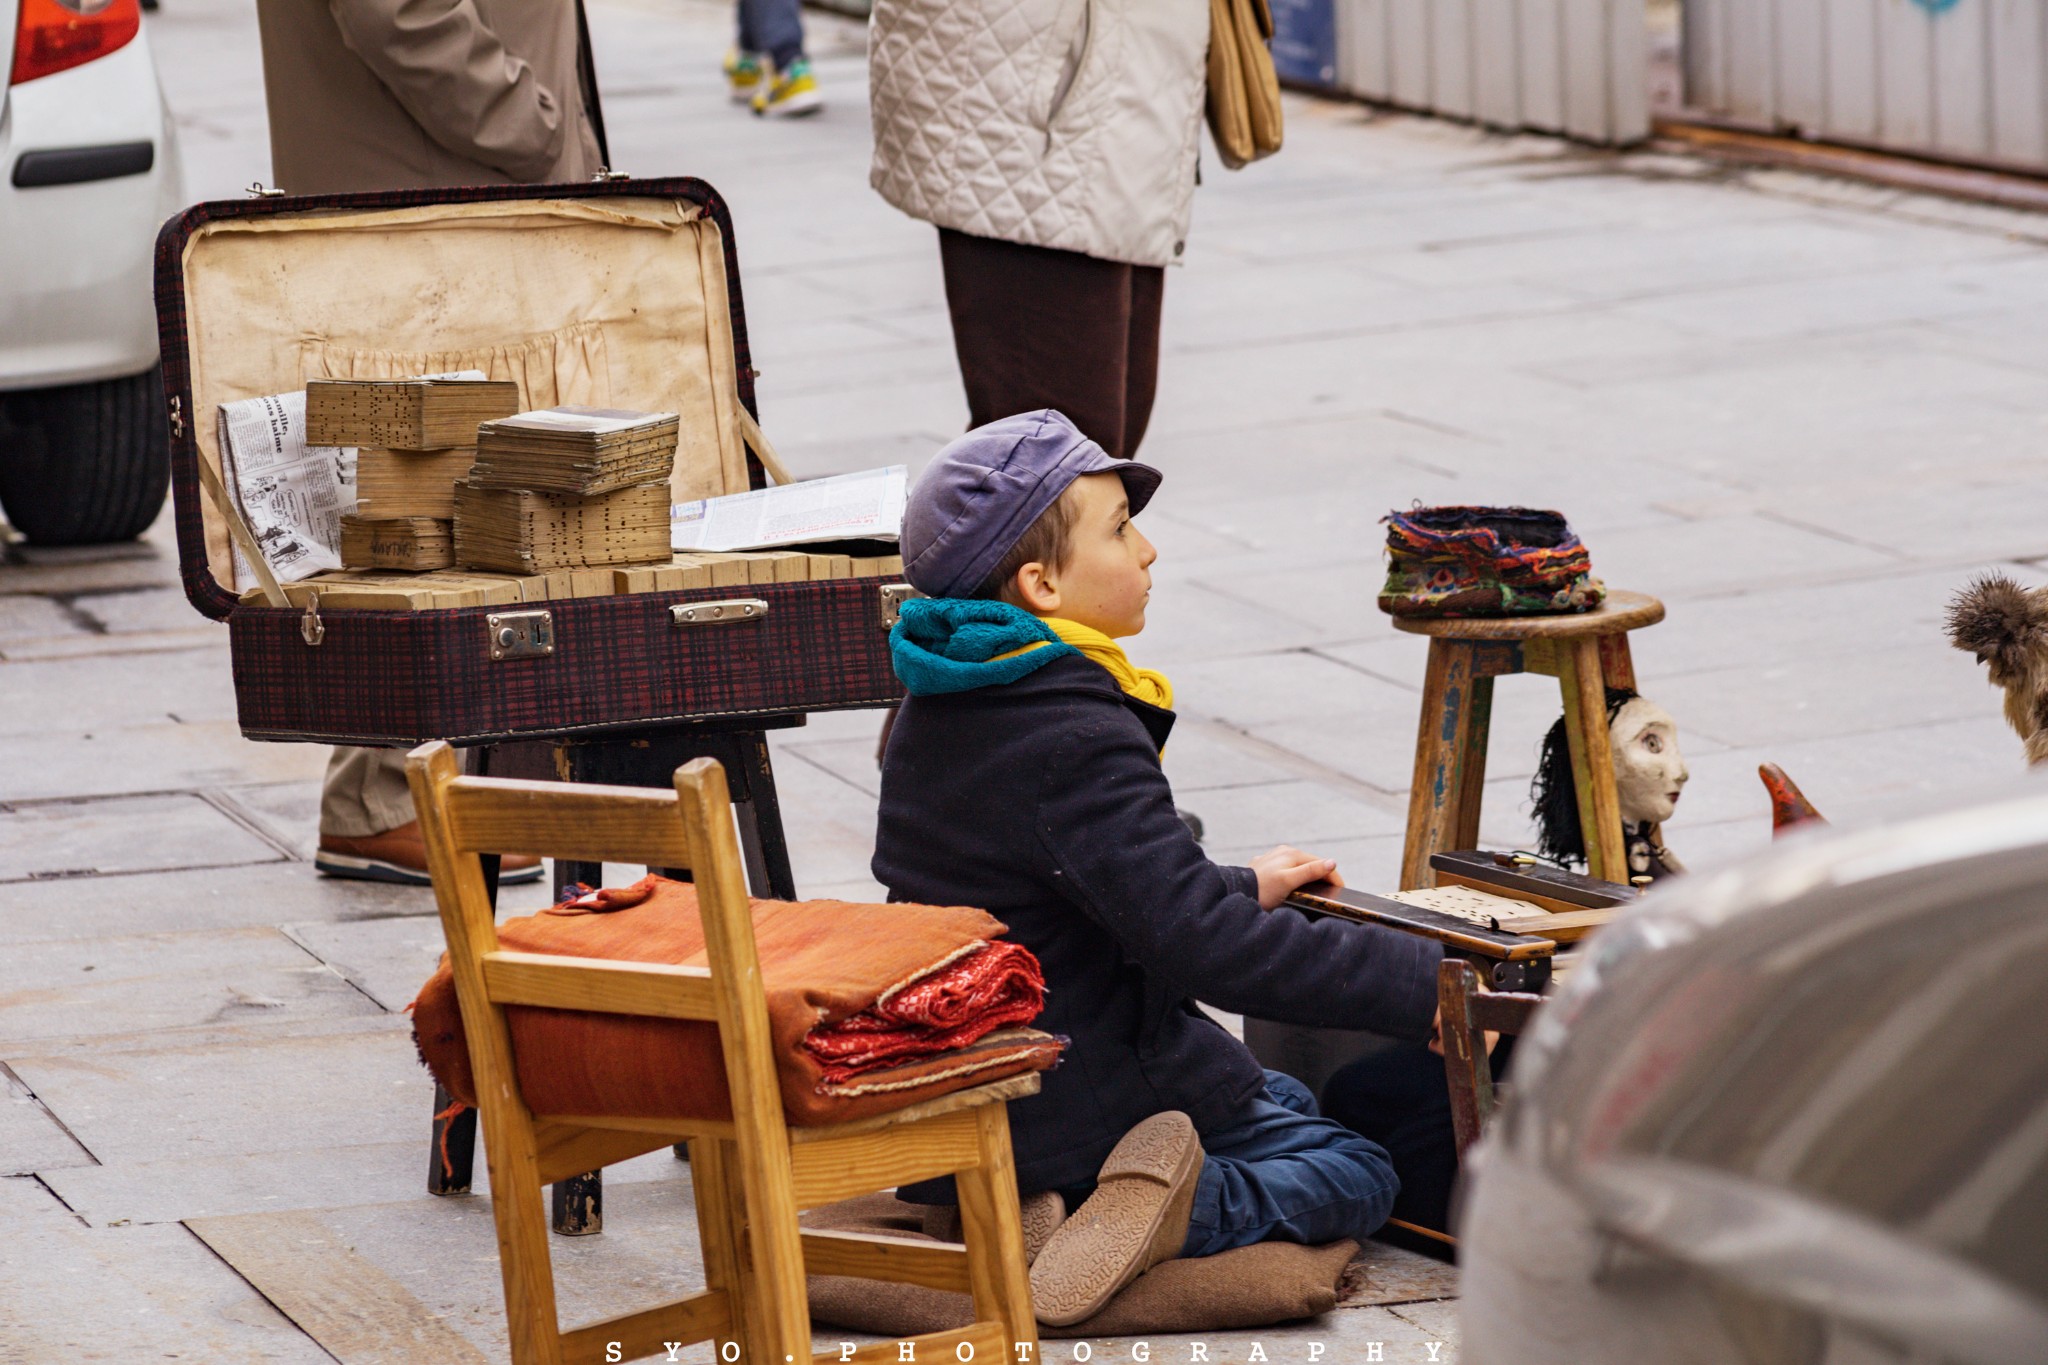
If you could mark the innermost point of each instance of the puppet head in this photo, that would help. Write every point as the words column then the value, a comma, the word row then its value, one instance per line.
column 1649, row 774
column 2006, row 627
column 1649, row 771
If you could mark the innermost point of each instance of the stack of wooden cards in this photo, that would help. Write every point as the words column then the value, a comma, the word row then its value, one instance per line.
column 520, row 531
column 397, row 543
column 404, row 414
column 584, row 451
column 409, row 483
column 415, row 439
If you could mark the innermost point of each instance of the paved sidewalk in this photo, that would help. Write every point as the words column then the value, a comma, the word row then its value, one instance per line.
column 1802, row 412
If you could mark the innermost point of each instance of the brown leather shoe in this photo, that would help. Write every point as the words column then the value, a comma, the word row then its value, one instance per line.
column 400, row 855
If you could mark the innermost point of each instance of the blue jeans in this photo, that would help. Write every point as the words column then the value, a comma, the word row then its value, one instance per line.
column 1285, row 1174
column 775, row 27
column 1288, row 1174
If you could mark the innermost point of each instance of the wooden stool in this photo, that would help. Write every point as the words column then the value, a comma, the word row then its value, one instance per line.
column 1587, row 653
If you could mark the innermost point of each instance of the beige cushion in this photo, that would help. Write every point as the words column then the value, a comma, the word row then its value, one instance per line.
column 1253, row 1286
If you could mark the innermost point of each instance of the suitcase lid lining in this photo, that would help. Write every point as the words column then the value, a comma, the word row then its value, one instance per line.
column 625, row 300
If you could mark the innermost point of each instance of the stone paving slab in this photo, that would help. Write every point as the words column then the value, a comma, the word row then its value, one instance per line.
column 79, row 987
column 123, row 834
column 165, row 757
column 184, row 685
column 212, row 898
column 31, row 1139
column 69, row 1293
column 266, row 1094
column 386, row 959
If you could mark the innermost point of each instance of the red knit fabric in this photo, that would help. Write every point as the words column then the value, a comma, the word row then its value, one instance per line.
column 993, row 987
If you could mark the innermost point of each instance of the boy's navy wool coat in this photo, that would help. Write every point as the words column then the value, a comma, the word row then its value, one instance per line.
column 1042, row 801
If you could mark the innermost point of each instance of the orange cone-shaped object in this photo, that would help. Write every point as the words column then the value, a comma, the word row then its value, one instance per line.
column 1789, row 806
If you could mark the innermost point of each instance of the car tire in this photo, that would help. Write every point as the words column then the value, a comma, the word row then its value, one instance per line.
column 85, row 464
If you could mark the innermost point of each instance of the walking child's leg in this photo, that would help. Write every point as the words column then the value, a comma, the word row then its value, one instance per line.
column 775, row 27
column 1288, row 1174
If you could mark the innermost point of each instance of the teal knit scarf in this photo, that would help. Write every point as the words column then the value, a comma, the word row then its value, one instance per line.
column 949, row 644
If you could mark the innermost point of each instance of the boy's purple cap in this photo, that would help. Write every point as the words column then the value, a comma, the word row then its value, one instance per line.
column 985, row 490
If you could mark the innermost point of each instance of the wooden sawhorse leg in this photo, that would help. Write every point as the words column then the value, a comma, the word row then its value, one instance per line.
column 645, row 760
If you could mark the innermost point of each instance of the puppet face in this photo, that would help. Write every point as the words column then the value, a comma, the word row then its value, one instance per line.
column 1649, row 772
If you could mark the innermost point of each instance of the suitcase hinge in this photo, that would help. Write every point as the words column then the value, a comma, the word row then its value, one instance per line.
column 717, row 613
column 606, row 173
column 177, row 418
column 894, row 595
column 521, row 634
column 311, row 628
column 258, row 190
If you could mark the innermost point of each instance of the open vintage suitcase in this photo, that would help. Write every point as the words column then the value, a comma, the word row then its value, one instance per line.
column 620, row 293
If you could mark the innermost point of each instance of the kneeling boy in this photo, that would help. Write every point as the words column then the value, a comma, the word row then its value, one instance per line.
column 1023, row 776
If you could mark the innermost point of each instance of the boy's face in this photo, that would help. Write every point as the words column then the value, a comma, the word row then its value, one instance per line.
column 1107, row 578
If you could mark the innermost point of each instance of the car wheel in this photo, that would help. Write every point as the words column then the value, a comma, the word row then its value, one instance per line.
column 85, row 464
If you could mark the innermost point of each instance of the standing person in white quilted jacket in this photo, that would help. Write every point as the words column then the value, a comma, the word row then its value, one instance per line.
column 1053, row 144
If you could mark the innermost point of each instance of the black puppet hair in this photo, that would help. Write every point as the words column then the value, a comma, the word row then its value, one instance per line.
column 1555, row 794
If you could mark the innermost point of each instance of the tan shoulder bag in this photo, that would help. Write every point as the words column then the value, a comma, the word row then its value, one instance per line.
column 1244, row 90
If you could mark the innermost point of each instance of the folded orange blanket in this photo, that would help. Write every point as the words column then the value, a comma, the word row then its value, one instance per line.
column 823, row 963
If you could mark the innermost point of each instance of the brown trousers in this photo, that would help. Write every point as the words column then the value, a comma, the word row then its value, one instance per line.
column 1040, row 328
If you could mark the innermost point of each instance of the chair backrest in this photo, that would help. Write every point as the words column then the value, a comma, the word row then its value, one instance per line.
column 689, row 828
column 1469, row 1014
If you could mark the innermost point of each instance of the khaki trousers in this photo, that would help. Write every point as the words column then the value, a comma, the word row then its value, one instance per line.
column 364, row 793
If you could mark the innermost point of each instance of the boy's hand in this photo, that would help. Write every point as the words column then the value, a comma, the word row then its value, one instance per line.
column 1285, row 870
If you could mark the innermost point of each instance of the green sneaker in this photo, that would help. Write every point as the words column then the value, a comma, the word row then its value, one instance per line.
column 792, row 93
column 743, row 75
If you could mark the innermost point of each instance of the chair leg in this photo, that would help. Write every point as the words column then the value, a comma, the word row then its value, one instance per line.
column 994, row 1231
column 523, row 1261
column 1441, row 740
column 1581, row 680
column 713, row 1183
column 1467, row 1070
column 778, row 1302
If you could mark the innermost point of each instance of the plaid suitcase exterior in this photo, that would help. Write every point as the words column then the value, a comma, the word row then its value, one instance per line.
column 621, row 662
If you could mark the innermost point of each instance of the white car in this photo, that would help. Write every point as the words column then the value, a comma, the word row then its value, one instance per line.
column 88, row 171
column 1794, row 1113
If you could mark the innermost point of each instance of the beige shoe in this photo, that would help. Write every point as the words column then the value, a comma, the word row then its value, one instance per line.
column 1137, row 1217
column 1041, row 1214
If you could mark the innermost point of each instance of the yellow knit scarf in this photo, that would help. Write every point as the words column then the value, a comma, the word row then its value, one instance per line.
column 1146, row 684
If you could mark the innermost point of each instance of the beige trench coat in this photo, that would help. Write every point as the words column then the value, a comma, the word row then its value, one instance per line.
column 411, row 94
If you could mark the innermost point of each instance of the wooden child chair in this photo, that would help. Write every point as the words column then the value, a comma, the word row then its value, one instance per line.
column 752, row 1173
column 1469, row 1015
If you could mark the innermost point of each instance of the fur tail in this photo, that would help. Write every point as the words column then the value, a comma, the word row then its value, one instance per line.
column 2000, row 622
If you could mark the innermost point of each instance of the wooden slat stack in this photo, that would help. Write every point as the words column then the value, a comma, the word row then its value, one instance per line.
column 567, row 488
column 414, row 440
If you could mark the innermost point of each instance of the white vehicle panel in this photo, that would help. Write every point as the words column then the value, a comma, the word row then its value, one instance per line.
column 76, row 299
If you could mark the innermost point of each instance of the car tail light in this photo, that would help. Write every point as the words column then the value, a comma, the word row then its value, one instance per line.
column 55, row 35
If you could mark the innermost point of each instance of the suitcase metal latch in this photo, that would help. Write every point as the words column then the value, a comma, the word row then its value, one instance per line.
column 894, row 595
column 521, row 634
column 311, row 628
column 717, row 613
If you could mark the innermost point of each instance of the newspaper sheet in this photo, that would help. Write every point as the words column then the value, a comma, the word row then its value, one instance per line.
column 867, row 505
column 291, row 494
